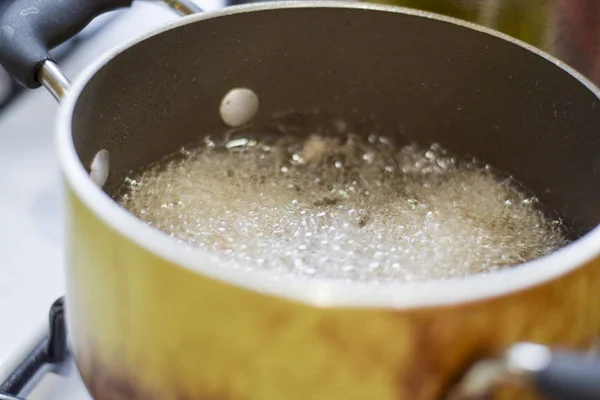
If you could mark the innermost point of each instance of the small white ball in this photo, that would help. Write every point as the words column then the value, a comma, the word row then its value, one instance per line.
column 238, row 107
column 99, row 167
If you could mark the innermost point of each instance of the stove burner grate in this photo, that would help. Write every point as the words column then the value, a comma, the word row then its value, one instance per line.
column 51, row 350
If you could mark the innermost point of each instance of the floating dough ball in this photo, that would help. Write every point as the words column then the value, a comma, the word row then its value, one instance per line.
column 99, row 167
column 239, row 106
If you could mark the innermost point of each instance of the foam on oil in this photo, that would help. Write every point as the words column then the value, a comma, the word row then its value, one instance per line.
column 342, row 207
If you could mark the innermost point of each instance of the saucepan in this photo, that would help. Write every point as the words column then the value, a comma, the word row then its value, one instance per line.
column 149, row 318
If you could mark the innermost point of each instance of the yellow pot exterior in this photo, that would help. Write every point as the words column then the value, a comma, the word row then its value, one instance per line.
column 144, row 328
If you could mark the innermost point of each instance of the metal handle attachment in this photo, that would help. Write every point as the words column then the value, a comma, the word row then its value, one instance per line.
column 53, row 79
column 183, row 7
column 557, row 375
column 30, row 28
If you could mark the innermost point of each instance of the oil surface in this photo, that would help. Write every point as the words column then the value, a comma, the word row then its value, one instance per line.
column 342, row 207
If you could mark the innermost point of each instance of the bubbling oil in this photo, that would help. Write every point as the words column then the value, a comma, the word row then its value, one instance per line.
column 342, row 207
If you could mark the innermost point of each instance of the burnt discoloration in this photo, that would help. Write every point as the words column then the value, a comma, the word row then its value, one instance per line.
column 184, row 321
column 330, row 333
column 277, row 321
column 109, row 388
column 111, row 383
column 416, row 383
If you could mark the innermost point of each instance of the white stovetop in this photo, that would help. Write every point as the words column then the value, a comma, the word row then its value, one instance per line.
column 31, row 256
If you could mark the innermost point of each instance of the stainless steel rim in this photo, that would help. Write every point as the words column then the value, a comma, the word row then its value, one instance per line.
column 325, row 293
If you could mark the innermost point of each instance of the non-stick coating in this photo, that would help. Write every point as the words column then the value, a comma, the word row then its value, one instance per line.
column 431, row 80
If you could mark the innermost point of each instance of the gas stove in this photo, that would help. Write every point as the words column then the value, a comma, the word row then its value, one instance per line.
column 35, row 363
column 31, row 242
column 47, row 372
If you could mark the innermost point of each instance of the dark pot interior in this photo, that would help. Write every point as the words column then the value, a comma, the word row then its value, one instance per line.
column 430, row 80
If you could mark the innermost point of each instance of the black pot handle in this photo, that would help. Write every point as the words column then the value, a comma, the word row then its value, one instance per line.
column 555, row 374
column 30, row 28
column 569, row 376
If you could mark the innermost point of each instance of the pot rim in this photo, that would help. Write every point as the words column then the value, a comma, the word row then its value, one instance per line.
column 321, row 293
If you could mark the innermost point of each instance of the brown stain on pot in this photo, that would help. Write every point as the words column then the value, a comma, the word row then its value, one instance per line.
column 277, row 322
column 109, row 387
column 416, row 382
column 191, row 337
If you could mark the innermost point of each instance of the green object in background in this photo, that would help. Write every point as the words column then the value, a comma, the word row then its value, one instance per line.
column 453, row 8
column 526, row 20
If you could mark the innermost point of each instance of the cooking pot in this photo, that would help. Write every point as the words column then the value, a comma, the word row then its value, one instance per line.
column 149, row 318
